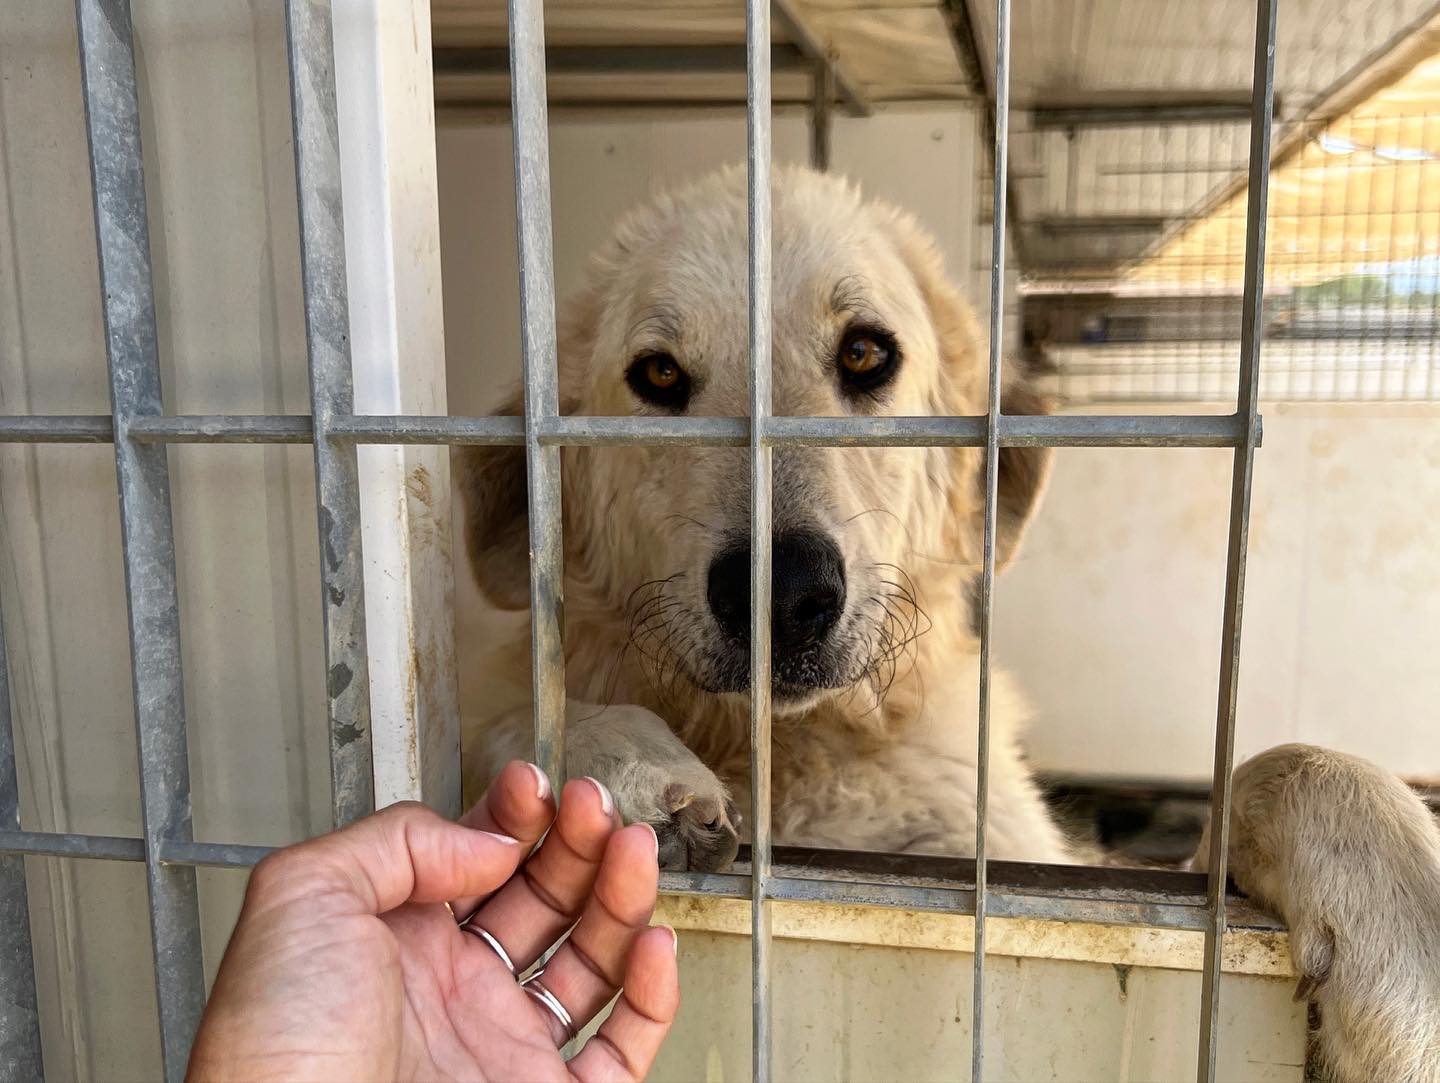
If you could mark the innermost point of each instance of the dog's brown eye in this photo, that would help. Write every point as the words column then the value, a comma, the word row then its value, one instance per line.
column 662, row 371
column 868, row 359
column 658, row 378
column 862, row 354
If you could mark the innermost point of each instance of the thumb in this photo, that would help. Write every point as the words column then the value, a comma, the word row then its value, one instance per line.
column 404, row 853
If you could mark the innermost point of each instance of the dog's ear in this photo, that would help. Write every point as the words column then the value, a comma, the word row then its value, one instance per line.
column 497, row 530
column 1023, row 471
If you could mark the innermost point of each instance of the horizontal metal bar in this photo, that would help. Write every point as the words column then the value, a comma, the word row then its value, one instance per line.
column 221, row 855
column 64, row 844
column 225, row 429
column 1016, row 430
column 1105, row 896
column 57, row 429
column 617, row 59
column 1159, row 112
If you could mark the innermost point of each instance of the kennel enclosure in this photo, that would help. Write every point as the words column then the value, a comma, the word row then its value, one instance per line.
column 141, row 430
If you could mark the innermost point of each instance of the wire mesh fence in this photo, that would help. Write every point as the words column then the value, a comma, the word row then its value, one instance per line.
column 1134, row 291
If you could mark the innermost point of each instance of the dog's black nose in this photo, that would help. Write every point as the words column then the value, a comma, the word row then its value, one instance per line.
column 807, row 589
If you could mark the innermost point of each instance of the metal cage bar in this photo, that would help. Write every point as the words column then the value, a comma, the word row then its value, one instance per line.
column 987, row 560
column 112, row 121
column 542, row 398
column 1158, row 899
column 140, row 431
column 757, row 161
column 1015, row 430
column 19, row 1009
column 1252, row 330
column 311, row 46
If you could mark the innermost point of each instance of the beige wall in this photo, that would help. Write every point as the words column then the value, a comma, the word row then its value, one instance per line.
column 1111, row 617
column 601, row 167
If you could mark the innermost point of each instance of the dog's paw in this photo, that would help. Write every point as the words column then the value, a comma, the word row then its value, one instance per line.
column 698, row 829
column 657, row 780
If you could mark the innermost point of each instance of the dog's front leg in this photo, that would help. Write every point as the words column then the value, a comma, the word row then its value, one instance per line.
column 654, row 777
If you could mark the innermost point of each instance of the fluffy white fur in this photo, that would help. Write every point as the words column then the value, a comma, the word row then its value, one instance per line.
column 887, row 763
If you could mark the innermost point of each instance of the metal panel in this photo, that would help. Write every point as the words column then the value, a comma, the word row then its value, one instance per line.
column 992, row 485
column 1252, row 330
column 542, row 397
column 327, row 333
column 757, row 130
column 19, row 1011
column 112, row 118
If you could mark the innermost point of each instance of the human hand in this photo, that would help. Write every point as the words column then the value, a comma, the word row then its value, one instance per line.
column 346, row 964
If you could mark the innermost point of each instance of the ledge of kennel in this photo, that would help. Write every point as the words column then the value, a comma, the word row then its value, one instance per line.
column 882, row 990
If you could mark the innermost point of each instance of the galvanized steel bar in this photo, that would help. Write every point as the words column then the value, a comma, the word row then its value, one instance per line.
column 227, row 429
column 757, row 130
column 1016, row 890
column 992, row 483
column 112, row 121
column 19, row 1010
column 220, row 855
column 1252, row 329
column 68, row 844
column 1016, row 430
column 327, row 337
column 542, row 396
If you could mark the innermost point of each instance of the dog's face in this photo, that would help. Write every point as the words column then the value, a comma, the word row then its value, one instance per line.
column 864, row 322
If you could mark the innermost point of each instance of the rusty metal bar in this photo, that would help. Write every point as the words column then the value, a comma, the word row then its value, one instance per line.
column 311, row 47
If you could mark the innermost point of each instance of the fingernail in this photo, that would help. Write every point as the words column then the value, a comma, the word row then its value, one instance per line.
column 655, row 839
column 504, row 840
column 674, row 939
column 606, row 801
column 542, row 784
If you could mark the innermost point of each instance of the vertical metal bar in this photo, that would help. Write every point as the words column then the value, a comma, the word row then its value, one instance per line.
column 757, row 130
column 1251, row 331
column 542, row 398
column 992, row 486
column 822, row 114
column 19, row 1009
column 311, row 48
column 112, row 121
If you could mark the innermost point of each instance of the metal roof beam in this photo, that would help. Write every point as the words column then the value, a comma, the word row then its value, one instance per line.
column 787, row 14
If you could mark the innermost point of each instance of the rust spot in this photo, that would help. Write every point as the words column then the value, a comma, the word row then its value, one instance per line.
column 418, row 485
column 340, row 678
column 327, row 531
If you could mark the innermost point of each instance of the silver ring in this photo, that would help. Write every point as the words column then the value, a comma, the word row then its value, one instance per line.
column 475, row 930
column 552, row 1004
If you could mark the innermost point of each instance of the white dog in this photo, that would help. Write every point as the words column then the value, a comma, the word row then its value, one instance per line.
column 875, row 554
